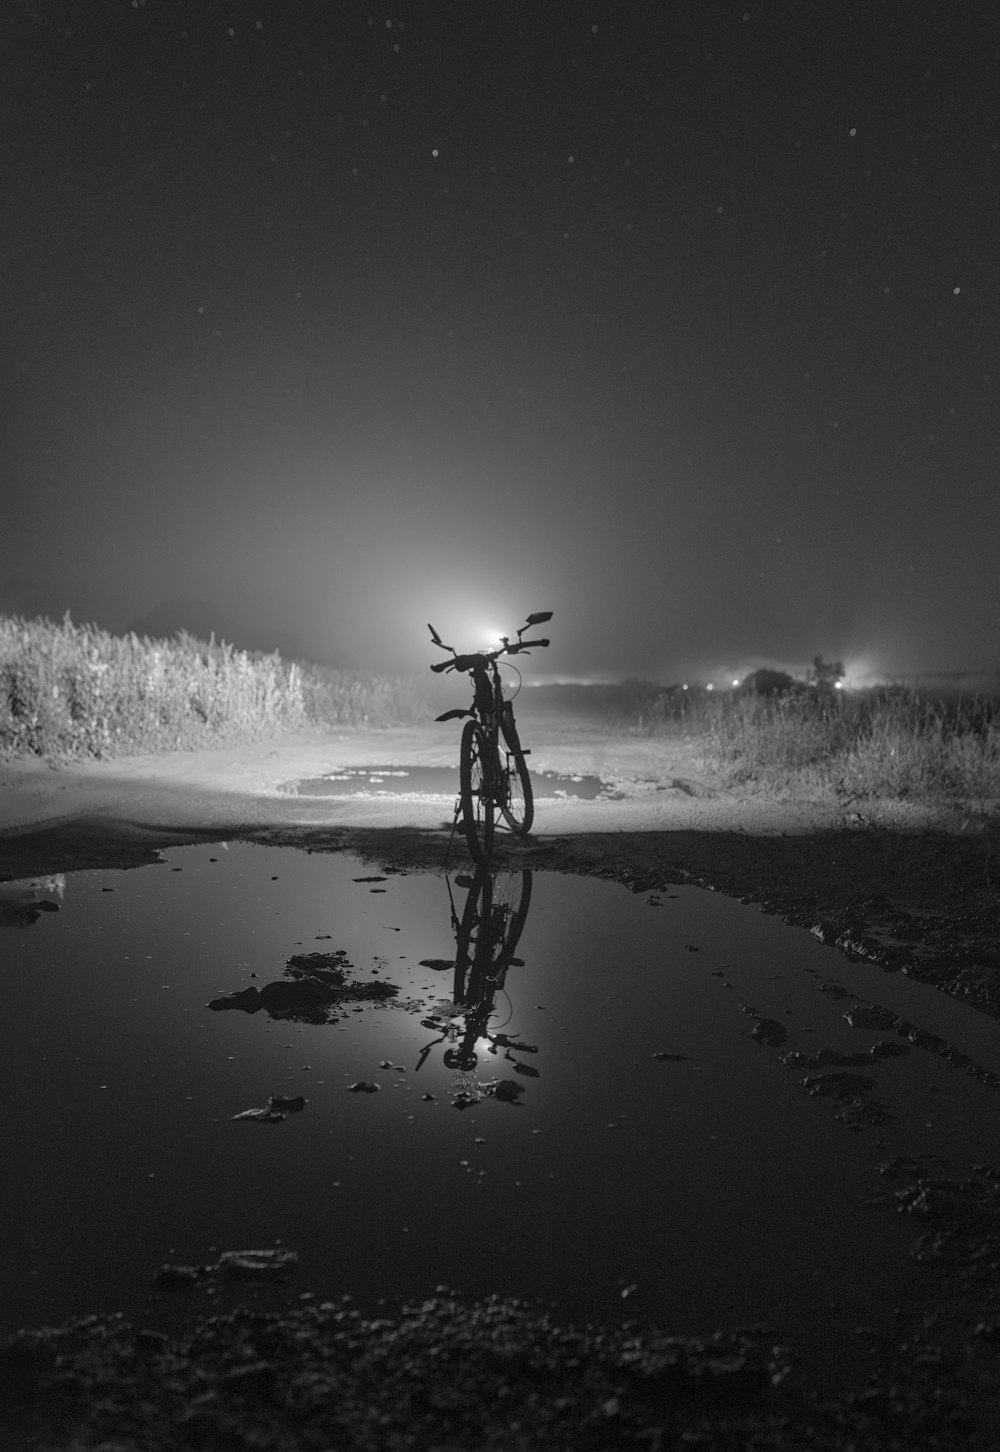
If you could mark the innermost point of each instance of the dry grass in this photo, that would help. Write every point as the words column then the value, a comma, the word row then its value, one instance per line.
column 888, row 744
column 74, row 691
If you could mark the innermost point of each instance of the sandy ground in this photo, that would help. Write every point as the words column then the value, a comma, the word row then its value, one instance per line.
column 660, row 786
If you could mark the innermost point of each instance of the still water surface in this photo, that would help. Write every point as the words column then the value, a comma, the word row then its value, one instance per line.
column 387, row 781
column 700, row 1188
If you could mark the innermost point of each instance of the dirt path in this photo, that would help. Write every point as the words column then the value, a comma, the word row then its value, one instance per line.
column 657, row 786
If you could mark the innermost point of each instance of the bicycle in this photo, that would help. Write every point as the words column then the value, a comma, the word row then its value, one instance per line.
column 491, row 779
column 486, row 936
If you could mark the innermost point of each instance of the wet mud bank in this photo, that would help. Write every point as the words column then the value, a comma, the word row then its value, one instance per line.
column 451, row 1371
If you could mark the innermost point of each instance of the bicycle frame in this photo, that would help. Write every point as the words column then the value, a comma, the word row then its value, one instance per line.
column 494, row 778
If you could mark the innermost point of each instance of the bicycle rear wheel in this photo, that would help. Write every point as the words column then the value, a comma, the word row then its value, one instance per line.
column 518, row 800
column 512, row 896
column 476, row 782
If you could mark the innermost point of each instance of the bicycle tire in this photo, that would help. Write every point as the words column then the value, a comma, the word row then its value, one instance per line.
column 518, row 799
column 494, row 917
column 513, row 891
column 476, row 784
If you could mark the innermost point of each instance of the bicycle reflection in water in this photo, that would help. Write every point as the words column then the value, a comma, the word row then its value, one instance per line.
column 487, row 933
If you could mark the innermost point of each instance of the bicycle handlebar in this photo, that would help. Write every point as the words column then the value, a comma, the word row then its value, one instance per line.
column 460, row 663
column 483, row 657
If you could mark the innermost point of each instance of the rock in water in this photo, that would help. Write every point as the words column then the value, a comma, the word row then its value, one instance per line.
column 277, row 1106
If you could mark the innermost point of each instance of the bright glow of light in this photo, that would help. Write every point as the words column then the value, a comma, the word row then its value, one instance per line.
column 710, row 687
column 862, row 671
column 736, row 681
column 478, row 625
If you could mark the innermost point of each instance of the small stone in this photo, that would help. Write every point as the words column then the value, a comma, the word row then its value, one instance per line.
column 870, row 1017
column 179, row 1277
column 257, row 1264
column 277, row 1106
column 770, row 1032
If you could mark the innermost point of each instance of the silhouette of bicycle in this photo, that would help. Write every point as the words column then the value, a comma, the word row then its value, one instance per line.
column 486, row 935
column 493, row 778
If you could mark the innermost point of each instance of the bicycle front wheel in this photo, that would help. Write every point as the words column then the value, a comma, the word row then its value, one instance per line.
column 493, row 918
column 476, row 782
column 518, row 800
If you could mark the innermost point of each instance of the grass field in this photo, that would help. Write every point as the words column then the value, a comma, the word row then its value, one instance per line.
column 887, row 743
column 70, row 691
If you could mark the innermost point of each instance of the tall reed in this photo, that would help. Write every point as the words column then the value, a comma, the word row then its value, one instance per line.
column 71, row 690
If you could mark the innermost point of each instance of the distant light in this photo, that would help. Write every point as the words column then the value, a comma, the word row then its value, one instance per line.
column 736, row 681
column 838, row 685
column 684, row 687
column 710, row 687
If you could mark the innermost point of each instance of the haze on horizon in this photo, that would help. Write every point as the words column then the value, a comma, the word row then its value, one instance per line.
column 680, row 322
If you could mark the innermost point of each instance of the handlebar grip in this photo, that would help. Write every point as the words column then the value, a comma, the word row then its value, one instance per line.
column 460, row 663
column 538, row 643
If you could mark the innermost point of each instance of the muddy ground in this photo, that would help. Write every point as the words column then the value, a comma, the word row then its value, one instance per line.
column 908, row 888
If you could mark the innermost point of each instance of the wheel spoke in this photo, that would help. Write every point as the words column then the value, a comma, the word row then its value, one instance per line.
column 517, row 802
column 477, row 794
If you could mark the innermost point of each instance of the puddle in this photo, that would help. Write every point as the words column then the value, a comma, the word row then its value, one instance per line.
column 384, row 781
column 580, row 1097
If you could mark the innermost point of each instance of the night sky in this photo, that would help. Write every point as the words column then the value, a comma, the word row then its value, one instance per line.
column 677, row 317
